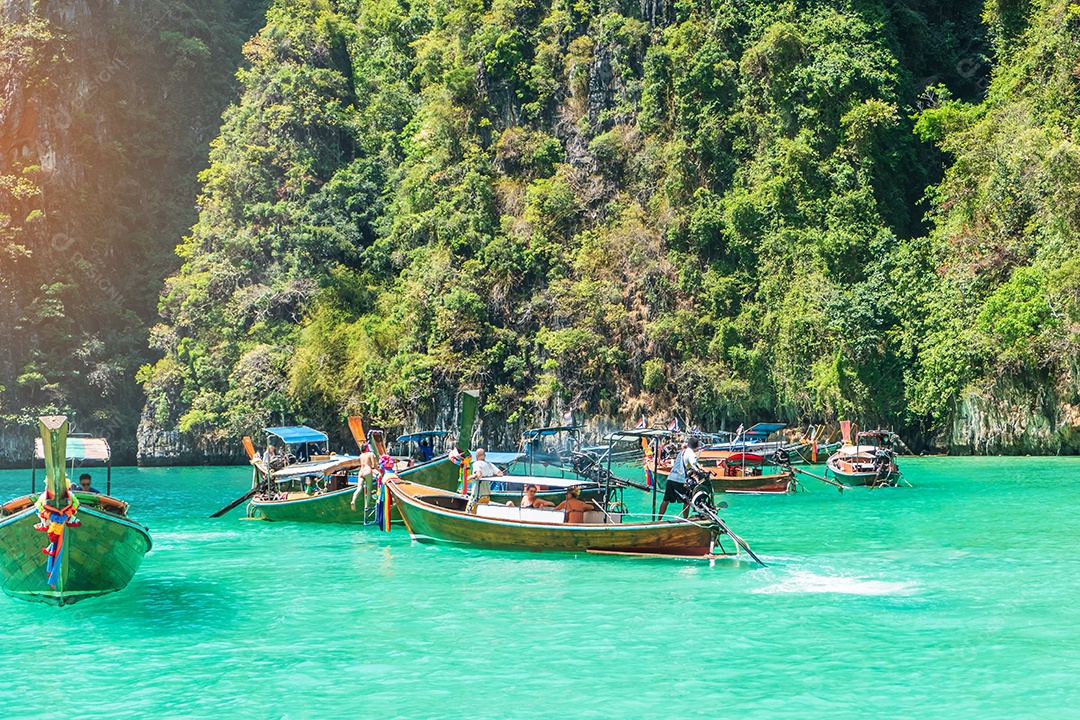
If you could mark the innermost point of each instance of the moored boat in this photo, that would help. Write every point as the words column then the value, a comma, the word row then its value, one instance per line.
column 325, row 490
column 93, row 547
column 744, row 472
column 442, row 516
column 869, row 460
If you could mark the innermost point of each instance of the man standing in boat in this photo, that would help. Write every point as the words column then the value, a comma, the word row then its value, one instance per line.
column 481, row 467
column 676, row 490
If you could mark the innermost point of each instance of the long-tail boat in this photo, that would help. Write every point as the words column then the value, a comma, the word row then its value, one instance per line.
column 65, row 546
column 434, row 515
column 321, row 491
column 443, row 516
column 745, row 472
column 869, row 460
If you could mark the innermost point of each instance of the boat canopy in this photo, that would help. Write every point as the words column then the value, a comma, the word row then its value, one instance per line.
column 297, row 434
column 764, row 430
column 422, row 435
column 533, row 433
column 504, row 458
column 520, row 481
column 79, row 448
column 634, row 435
column 336, row 464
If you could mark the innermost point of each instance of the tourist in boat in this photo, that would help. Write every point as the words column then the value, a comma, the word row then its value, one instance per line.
column 85, row 486
column 676, row 490
column 369, row 464
column 481, row 468
column 531, row 501
column 574, row 508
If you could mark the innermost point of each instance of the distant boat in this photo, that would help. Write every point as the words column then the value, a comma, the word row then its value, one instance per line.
column 425, row 442
column 744, row 472
column 756, row 440
column 97, row 548
column 732, row 470
column 321, row 490
column 869, row 460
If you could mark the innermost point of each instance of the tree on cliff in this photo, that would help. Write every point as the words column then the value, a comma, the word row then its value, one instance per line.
column 707, row 206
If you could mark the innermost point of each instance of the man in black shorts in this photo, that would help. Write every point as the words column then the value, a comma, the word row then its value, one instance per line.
column 676, row 490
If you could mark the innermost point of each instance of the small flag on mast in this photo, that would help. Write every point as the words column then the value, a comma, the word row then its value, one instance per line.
column 674, row 426
column 641, row 424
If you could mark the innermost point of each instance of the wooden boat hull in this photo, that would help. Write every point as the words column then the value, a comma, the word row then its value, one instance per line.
column 850, row 473
column 747, row 484
column 778, row 483
column 334, row 507
column 100, row 557
column 428, row 522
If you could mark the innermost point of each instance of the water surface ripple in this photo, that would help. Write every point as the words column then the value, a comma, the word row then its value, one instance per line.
column 955, row 598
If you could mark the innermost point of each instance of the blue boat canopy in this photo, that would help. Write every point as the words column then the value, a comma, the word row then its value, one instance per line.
column 764, row 430
column 422, row 435
column 297, row 434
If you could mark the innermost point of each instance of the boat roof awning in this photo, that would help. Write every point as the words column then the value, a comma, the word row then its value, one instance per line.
column 551, row 482
column 336, row 464
column 632, row 435
column 422, row 435
column 534, row 433
column 764, row 430
column 504, row 458
column 297, row 434
column 79, row 448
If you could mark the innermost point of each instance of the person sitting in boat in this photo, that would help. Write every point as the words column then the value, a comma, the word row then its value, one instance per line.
column 573, row 508
column 481, row 467
column 676, row 490
column 426, row 451
column 369, row 464
column 85, row 486
column 531, row 501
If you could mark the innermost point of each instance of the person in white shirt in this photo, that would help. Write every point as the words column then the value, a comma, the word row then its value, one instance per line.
column 676, row 490
column 481, row 468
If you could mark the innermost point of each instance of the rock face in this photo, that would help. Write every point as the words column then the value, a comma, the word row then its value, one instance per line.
column 172, row 447
column 16, row 448
column 1007, row 421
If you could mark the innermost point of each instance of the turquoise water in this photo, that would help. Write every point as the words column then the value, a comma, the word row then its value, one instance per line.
column 959, row 597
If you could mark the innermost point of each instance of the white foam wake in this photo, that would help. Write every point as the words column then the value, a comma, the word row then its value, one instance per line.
column 802, row 581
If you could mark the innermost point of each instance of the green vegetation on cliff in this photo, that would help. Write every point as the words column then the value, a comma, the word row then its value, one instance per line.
column 105, row 112
column 711, row 207
column 727, row 209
